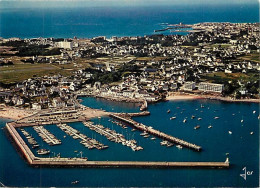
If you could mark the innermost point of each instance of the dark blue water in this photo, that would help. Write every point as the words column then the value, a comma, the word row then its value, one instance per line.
column 89, row 22
column 243, row 148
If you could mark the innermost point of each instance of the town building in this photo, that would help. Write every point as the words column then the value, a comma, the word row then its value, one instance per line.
column 210, row 87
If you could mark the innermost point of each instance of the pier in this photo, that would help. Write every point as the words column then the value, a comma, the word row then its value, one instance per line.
column 144, row 113
column 123, row 117
column 113, row 136
column 47, row 137
column 87, row 142
column 83, row 162
column 31, row 140
column 127, row 164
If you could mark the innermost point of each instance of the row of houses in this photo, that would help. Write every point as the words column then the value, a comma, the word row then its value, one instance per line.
column 203, row 86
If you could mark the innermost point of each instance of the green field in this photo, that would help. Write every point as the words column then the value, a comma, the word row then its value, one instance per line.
column 251, row 57
column 151, row 58
column 221, row 45
column 20, row 72
column 220, row 77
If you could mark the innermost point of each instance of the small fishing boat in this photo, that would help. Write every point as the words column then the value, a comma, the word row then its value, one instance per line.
column 229, row 132
column 179, row 146
column 210, row 126
column 199, row 119
column 143, row 134
column 43, row 151
column 192, row 117
column 252, row 133
column 169, row 144
column 254, row 112
column 216, row 117
column 35, row 146
column 75, row 182
column 197, row 127
column 163, row 143
column 185, row 120
column 171, row 118
column 168, row 111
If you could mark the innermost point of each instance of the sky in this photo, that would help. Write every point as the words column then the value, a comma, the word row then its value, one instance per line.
column 75, row 3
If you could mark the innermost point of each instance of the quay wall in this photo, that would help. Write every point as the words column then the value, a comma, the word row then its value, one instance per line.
column 132, row 164
column 144, row 113
column 25, row 150
column 81, row 162
column 26, row 124
column 156, row 132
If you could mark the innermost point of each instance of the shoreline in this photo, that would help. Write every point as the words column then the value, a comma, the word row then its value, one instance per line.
column 13, row 113
column 182, row 96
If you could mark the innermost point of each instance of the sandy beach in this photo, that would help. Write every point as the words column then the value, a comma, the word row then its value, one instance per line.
column 17, row 113
column 14, row 113
column 184, row 96
column 179, row 96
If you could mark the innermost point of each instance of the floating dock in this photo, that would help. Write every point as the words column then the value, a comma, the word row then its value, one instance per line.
column 47, row 137
column 113, row 136
column 83, row 162
column 90, row 143
column 125, row 118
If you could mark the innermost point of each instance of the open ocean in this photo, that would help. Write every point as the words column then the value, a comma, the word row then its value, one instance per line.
column 243, row 148
column 88, row 22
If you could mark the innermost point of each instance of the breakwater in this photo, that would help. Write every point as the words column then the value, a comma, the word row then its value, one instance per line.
column 125, row 118
column 84, row 162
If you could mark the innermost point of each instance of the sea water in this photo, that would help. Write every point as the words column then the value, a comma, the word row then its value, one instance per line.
column 241, row 147
column 88, row 22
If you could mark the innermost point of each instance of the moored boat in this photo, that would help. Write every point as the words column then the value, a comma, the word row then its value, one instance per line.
column 197, row 127
column 169, row 144
column 163, row 143
column 35, row 146
column 75, row 182
column 43, row 151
